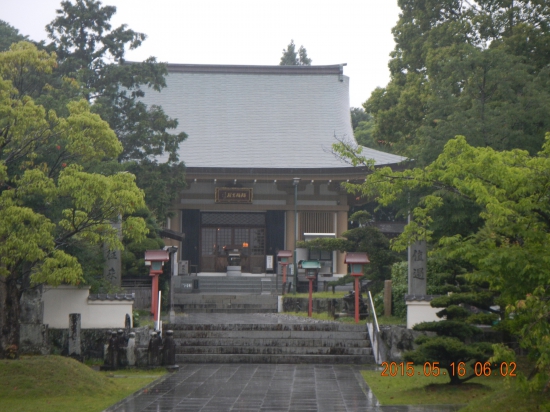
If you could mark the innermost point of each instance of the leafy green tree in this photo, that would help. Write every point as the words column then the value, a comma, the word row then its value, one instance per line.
column 9, row 35
column 531, row 317
column 133, row 255
column 47, row 197
column 459, row 339
column 507, row 253
column 358, row 115
column 465, row 68
column 441, row 277
column 363, row 130
column 507, row 187
column 448, row 350
column 292, row 58
column 90, row 51
column 302, row 57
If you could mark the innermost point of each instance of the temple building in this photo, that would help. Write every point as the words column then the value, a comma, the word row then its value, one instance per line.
column 260, row 137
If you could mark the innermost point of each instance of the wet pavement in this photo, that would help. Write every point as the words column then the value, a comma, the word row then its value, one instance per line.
column 230, row 387
column 260, row 387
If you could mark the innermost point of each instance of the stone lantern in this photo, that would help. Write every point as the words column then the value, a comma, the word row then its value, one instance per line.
column 312, row 269
column 155, row 259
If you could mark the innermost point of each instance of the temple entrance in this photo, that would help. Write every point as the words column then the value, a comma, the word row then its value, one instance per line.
column 224, row 232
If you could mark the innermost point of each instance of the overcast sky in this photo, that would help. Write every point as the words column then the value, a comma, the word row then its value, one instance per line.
column 356, row 32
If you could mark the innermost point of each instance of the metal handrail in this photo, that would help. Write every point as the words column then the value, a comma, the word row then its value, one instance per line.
column 374, row 313
column 375, row 333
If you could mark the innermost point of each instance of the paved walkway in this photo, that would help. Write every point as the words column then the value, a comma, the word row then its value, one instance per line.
column 255, row 387
column 230, row 387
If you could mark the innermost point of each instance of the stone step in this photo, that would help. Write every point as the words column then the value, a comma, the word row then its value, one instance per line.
column 228, row 297
column 272, row 350
column 304, row 327
column 225, row 305
column 218, row 309
column 291, row 343
column 307, row 342
column 233, row 288
column 245, row 284
column 291, row 359
column 283, row 334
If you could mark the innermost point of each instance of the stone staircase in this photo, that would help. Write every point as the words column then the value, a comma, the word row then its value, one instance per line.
column 243, row 284
column 320, row 343
column 225, row 303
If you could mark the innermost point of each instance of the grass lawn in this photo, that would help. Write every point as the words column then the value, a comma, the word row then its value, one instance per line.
column 59, row 384
column 317, row 295
column 323, row 316
column 426, row 390
column 483, row 394
column 509, row 398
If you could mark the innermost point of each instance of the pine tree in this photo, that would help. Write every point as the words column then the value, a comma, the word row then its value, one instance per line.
column 292, row 58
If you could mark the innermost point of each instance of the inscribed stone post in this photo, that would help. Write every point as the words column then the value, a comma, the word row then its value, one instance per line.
column 113, row 262
column 417, row 268
column 74, row 335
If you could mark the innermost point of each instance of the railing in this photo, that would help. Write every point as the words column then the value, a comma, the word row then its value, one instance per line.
column 378, row 345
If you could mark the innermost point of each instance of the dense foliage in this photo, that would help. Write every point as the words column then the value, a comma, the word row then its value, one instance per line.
column 476, row 68
column 50, row 198
column 361, row 239
column 439, row 280
column 91, row 53
column 9, row 35
column 507, row 253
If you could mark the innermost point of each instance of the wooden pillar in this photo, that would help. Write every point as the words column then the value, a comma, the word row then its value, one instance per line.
column 289, row 232
column 154, row 296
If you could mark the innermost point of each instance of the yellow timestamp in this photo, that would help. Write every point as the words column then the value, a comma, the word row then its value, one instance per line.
column 459, row 369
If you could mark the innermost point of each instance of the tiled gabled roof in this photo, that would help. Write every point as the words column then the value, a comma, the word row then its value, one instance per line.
column 117, row 296
column 260, row 116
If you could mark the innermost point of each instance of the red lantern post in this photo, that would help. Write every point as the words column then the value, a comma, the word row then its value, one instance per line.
column 284, row 260
column 155, row 259
column 310, row 306
column 357, row 260
column 312, row 269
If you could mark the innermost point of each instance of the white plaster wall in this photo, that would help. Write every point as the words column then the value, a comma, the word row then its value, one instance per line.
column 107, row 314
column 420, row 311
column 61, row 301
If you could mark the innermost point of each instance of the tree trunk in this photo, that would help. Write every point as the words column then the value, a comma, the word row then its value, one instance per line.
column 10, row 310
column 455, row 379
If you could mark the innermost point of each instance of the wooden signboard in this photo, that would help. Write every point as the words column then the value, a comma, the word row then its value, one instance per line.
column 233, row 195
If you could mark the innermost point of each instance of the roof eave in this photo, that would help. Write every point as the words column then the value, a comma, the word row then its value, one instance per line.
column 335, row 69
column 333, row 172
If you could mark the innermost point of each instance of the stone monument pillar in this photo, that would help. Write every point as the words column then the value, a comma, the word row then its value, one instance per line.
column 75, row 350
column 113, row 262
column 418, row 302
column 417, row 268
